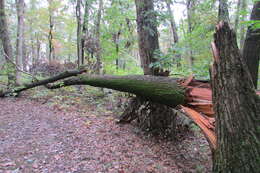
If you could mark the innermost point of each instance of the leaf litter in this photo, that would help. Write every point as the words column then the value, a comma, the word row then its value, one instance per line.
column 36, row 137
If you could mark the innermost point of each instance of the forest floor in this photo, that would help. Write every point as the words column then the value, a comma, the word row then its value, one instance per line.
column 71, row 137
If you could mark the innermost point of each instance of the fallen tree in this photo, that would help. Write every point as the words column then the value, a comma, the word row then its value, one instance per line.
column 163, row 90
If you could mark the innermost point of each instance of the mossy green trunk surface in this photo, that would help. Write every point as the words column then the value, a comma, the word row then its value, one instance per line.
column 162, row 90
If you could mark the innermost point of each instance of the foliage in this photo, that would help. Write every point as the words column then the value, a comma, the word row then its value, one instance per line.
column 118, row 34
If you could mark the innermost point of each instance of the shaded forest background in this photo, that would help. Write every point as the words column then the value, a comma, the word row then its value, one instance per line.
column 53, row 32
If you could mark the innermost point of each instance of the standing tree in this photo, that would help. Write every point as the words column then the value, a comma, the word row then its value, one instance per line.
column 85, row 29
column 237, row 118
column 190, row 10
column 237, row 15
column 174, row 29
column 20, row 39
column 151, row 116
column 7, row 46
column 98, row 65
column 172, row 21
column 79, row 33
column 243, row 18
column 236, row 107
column 251, row 48
column 223, row 13
column 147, row 34
column 51, row 28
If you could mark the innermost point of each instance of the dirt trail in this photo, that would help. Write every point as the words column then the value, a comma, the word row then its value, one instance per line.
column 37, row 138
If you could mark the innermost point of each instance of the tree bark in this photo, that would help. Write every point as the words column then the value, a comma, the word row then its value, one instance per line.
column 237, row 15
column 98, row 65
column 243, row 28
column 51, row 28
column 147, row 34
column 163, row 90
column 251, row 48
column 7, row 46
column 38, row 48
column 174, row 30
column 79, row 33
column 223, row 14
column 190, row 6
column 85, row 29
column 172, row 21
column 20, row 39
column 236, row 107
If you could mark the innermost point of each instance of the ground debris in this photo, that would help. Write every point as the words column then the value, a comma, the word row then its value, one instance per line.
column 37, row 138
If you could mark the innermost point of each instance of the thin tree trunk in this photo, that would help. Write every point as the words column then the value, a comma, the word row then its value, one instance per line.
column 85, row 29
column 32, row 49
column 79, row 33
column 7, row 46
column 20, row 39
column 38, row 45
column 243, row 28
column 251, row 49
column 223, row 14
column 69, row 40
column 237, row 15
column 236, row 107
column 116, row 42
column 25, row 54
column 190, row 6
column 172, row 21
column 97, row 32
column 174, row 30
column 51, row 28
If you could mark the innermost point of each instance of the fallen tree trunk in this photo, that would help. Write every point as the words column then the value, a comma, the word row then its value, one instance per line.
column 162, row 90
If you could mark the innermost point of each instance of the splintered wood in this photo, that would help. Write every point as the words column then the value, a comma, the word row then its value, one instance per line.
column 199, row 107
column 206, row 126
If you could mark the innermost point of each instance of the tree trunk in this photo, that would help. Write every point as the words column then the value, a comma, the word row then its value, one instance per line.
column 25, row 54
column 174, row 31
column 236, row 106
column 190, row 6
column 38, row 46
column 98, row 66
column 243, row 28
column 20, row 39
column 51, row 28
column 79, row 33
column 85, row 29
column 172, row 21
column 158, row 89
column 251, row 49
column 7, row 46
column 237, row 14
column 147, row 34
column 223, row 14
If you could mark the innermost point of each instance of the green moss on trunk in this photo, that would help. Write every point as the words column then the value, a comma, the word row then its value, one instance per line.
column 152, row 88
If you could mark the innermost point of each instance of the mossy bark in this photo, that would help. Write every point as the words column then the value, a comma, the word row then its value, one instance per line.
column 157, row 89
column 162, row 90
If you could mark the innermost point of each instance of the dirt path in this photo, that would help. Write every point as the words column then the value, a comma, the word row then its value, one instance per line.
column 36, row 138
